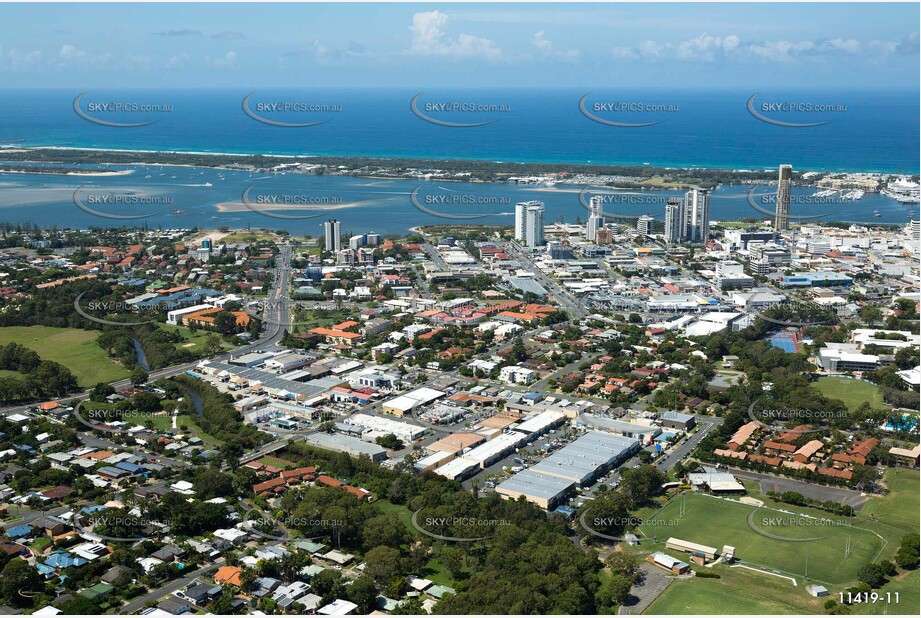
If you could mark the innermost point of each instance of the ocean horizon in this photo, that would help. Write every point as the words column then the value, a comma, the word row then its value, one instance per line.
column 864, row 131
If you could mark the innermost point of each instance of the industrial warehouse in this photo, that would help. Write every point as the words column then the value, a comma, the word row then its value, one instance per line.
column 549, row 482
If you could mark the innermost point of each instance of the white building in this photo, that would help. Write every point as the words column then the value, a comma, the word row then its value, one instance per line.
column 696, row 222
column 332, row 235
column 513, row 374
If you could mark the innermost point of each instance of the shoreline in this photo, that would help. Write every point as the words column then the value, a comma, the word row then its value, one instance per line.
column 384, row 160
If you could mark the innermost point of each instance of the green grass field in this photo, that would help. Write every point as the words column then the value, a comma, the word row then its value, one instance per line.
column 190, row 422
column 739, row 591
column 194, row 342
column 852, row 392
column 717, row 522
column 747, row 592
column 75, row 349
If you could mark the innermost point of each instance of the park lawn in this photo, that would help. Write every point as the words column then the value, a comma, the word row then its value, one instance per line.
column 9, row 373
column 907, row 585
column 739, row 591
column 852, row 392
column 74, row 348
column 436, row 572
column 245, row 236
column 406, row 516
column 895, row 514
column 272, row 461
column 717, row 522
column 196, row 339
column 160, row 422
column 190, row 422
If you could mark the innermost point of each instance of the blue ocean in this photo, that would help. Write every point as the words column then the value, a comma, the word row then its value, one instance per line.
column 865, row 131
column 868, row 132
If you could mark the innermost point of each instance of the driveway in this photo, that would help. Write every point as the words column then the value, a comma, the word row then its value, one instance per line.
column 653, row 581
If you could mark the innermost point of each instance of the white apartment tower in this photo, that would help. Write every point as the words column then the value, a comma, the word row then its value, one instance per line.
column 332, row 235
column 696, row 220
column 534, row 225
column 595, row 218
column 644, row 225
column 529, row 223
column 673, row 219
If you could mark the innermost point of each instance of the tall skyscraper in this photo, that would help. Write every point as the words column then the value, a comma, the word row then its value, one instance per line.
column 696, row 220
column 534, row 225
column 521, row 223
column 332, row 235
column 782, row 211
column 595, row 218
column 673, row 218
column 529, row 223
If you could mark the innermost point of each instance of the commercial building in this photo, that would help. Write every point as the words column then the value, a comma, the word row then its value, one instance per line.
column 458, row 469
column 817, row 278
column 846, row 357
column 731, row 275
column 344, row 444
column 380, row 426
column 636, row 431
column 544, row 490
column 405, row 404
column 540, row 424
column 582, row 460
column 499, row 447
column 677, row 420
column 768, row 257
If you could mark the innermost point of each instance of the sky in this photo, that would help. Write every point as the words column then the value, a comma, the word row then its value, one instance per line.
column 868, row 46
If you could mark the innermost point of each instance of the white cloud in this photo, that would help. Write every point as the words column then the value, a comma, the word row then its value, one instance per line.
column 226, row 61
column 546, row 47
column 708, row 48
column 624, row 53
column 15, row 60
column 429, row 39
column 651, row 49
column 178, row 61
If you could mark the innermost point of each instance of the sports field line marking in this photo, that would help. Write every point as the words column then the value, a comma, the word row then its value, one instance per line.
column 742, row 566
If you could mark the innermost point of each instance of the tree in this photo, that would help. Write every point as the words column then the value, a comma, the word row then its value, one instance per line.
column 390, row 441
column 213, row 344
column 222, row 605
column 615, row 591
column 363, row 593
column 19, row 581
column 101, row 391
column 872, row 574
column 225, row 322
column 384, row 530
column 138, row 375
column 382, row 564
column 624, row 563
column 907, row 555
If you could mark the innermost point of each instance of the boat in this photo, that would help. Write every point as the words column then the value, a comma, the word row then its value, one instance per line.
column 148, row 176
column 876, row 213
column 177, row 212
